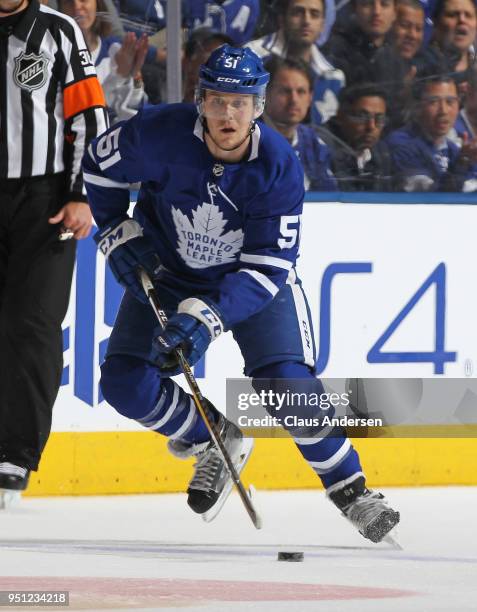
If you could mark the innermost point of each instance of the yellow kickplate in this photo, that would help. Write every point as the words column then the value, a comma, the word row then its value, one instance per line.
column 99, row 463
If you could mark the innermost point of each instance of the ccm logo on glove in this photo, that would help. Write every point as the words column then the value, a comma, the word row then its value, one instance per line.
column 215, row 325
column 202, row 311
column 114, row 237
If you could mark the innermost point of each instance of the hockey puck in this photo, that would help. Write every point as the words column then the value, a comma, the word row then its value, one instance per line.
column 290, row 556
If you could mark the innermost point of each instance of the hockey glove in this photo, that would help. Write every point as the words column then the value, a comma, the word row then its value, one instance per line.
column 192, row 329
column 126, row 249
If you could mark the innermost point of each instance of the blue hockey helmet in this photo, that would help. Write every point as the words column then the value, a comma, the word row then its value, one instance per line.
column 234, row 70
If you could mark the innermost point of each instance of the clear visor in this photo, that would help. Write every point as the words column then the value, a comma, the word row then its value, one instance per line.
column 229, row 106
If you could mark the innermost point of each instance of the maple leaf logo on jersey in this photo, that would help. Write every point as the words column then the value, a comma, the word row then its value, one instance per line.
column 202, row 243
column 327, row 106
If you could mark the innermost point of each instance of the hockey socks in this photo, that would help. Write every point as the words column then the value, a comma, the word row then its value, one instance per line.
column 135, row 389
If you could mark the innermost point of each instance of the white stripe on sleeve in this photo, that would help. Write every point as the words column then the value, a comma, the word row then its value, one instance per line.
column 262, row 280
column 102, row 181
column 266, row 260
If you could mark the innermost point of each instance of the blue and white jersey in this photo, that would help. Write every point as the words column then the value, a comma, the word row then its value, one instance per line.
column 123, row 97
column 463, row 125
column 236, row 18
column 141, row 16
column 420, row 165
column 329, row 80
column 315, row 157
column 429, row 7
column 230, row 229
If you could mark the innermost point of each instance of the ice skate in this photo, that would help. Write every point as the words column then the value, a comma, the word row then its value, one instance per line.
column 211, row 483
column 13, row 480
column 367, row 510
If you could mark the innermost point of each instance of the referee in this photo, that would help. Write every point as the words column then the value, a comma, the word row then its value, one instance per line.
column 51, row 106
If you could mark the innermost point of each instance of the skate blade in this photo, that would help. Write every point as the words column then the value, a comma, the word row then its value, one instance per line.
column 380, row 528
column 389, row 539
column 9, row 498
column 217, row 507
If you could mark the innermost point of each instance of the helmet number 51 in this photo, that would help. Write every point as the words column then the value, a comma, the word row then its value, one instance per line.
column 231, row 61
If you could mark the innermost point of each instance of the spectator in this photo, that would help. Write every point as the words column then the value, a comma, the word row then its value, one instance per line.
column 196, row 52
column 466, row 123
column 455, row 29
column 300, row 24
column 353, row 48
column 360, row 159
column 452, row 45
column 288, row 101
column 118, row 65
column 424, row 157
column 268, row 20
column 111, row 15
column 405, row 41
column 235, row 18
column 408, row 28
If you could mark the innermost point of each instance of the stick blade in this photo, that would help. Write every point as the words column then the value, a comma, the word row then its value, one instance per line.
column 255, row 515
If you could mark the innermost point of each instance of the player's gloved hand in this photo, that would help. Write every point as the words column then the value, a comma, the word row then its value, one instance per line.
column 192, row 329
column 126, row 249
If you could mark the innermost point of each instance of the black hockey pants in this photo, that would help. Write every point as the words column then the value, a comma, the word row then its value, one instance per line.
column 35, row 278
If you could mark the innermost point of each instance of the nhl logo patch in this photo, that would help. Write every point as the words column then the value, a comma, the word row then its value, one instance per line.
column 30, row 71
column 218, row 169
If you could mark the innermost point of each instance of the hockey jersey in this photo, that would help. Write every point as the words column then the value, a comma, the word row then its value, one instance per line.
column 420, row 165
column 315, row 157
column 328, row 80
column 236, row 18
column 230, row 230
column 141, row 16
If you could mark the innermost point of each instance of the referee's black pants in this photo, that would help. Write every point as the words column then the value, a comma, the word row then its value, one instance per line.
column 35, row 280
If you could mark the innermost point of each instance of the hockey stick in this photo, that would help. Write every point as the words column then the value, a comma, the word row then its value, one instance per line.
column 200, row 403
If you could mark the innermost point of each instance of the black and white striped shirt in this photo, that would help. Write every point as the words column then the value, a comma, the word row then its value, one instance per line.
column 51, row 103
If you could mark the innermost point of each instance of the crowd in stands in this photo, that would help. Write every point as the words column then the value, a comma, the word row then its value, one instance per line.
column 373, row 95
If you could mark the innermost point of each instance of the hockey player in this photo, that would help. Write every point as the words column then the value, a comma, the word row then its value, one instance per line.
column 216, row 225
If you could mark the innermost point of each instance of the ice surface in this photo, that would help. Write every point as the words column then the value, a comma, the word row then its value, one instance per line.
column 151, row 553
